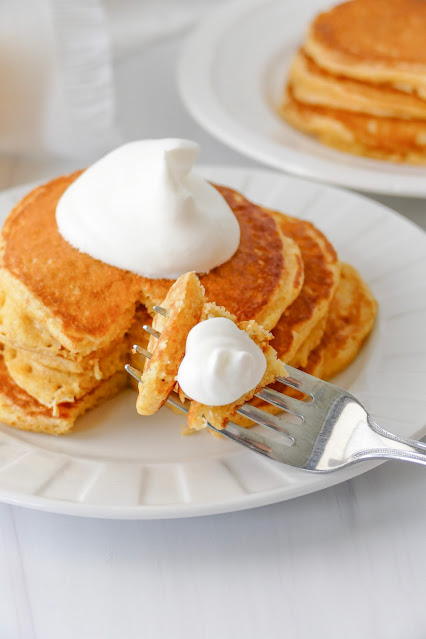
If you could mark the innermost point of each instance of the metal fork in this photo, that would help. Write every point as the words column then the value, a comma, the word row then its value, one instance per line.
column 330, row 431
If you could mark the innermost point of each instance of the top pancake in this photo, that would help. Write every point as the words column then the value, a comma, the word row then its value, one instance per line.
column 376, row 40
column 263, row 277
column 85, row 304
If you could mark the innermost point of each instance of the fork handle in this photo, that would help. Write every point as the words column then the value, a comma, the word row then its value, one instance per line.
column 394, row 447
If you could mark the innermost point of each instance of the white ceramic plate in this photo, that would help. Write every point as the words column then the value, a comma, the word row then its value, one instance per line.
column 231, row 77
column 116, row 464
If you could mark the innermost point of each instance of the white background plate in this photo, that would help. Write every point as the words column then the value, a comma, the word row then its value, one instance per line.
column 231, row 77
column 116, row 464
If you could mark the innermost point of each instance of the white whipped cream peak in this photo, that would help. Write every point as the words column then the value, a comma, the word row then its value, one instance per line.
column 142, row 208
column 221, row 363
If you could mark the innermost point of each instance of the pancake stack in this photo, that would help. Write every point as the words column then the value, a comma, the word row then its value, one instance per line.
column 65, row 341
column 68, row 321
column 359, row 81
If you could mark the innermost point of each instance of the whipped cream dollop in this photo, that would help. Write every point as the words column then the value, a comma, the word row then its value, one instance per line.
column 221, row 363
column 141, row 208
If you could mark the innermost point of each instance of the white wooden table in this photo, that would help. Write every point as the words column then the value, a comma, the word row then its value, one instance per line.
column 346, row 562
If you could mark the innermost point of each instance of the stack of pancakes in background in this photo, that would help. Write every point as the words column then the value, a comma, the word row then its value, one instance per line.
column 359, row 81
column 67, row 321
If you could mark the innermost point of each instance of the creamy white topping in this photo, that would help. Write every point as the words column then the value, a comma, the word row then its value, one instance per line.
column 142, row 209
column 221, row 363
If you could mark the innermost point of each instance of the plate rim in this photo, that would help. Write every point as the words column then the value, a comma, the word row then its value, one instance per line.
column 193, row 77
column 241, row 502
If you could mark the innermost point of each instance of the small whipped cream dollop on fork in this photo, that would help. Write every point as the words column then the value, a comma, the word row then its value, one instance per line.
column 221, row 364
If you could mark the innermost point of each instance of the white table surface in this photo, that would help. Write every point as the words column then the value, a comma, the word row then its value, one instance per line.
column 347, row 562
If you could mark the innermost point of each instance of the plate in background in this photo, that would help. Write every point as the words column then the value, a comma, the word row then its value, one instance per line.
column 231, row 77
column 116, row 464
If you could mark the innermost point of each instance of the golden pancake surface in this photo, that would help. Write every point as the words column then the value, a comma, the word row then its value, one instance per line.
column 359, row 82
column 381, row 41
column 321, row 277
column 263, row 277
column 349, row 322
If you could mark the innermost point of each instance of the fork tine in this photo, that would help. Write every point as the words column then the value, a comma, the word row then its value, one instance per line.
column 160, row 310
column 151, row 331
column 250, row 439
column 134, row 372
column 300, row 380
column 232, row 431
column 142, row 351
column 240, row 435
column 177, row 405
column 289, row 404
column 255, row 441
column 265, row 419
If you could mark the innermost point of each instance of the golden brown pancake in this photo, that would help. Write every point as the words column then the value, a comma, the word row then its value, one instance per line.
column 359, row 82
column 349, row 322
column 321, row 276
column 85, row 304
column 301, row 356
column 20, row 410
column 50, row 383
column 263, row 277
column 55, row 379
column 313, row 85
column 395, row 139
column 381, row 41
column 183, row 304
column 18, row 329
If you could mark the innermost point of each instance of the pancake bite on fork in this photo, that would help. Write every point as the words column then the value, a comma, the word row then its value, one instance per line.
column 199, row 350
column 180, row 311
